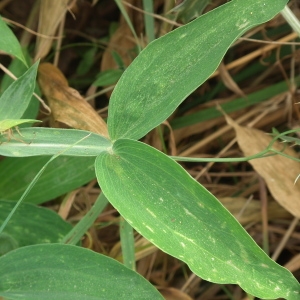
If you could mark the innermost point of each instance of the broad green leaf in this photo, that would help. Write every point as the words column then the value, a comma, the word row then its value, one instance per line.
column 173, row 66
column 65, row 272
column 7, row 243
column 63, row 175
column 173, row 211
column 9, row 43
column 50, row 141
column 16, row 98
column 33, row 225
column 7, row 124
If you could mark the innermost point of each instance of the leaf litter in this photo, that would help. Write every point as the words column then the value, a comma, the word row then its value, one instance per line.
column 279, row 172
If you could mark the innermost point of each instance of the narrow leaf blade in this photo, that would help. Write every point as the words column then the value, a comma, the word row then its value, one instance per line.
column 50, row 141
column 9, row 43
column 173, row 66
column 173, row 211
column 17, row 96
column 18, row 69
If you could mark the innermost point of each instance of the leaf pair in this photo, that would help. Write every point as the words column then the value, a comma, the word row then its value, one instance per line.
column 153, row 193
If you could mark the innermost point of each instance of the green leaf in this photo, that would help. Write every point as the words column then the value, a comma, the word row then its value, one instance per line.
column 66, row 272
column 87, row 61
column 16, row 98
column 173, row 66
column 108, row 77
column 63, row 175
column 149, row 20
column 7, row 124
column 18, row 69
column 231, row 106
column 9, row 43
column 173, row 211
column 126, row 17
column 33, row 225
column 50, row 141
column 7, row 243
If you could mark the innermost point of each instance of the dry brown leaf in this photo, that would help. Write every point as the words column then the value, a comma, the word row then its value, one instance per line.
column 250, row 211
column 278, row 172
column 228, row 81
column 66, row 104
column 52, row 13
column 294, row 264
column 173, row 294
column 172, row 143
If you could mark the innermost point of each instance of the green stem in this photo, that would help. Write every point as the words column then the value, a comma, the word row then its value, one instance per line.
column 148, row 20
column 269, row 151
column 74, row 236
column 291, row 19
column 127, row 244
column 128, row 21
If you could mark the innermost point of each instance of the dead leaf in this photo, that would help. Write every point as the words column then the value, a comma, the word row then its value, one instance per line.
column 66, row 104
column 278, row 172
column 173, row 294
column 229, row 82
column 294, row 264
column 52, row 12
column 250, row 211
